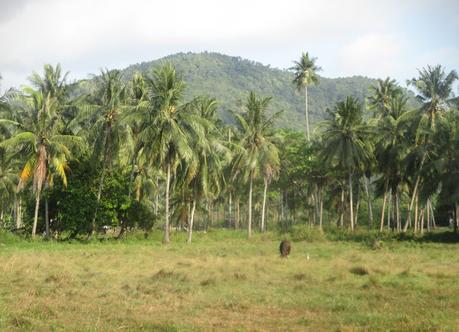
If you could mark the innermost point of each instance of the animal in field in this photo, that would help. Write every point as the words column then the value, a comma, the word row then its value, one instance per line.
column 285, row 248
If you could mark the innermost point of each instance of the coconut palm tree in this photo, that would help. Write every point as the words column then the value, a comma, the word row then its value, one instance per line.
column 392, row 148
column 257, row 139
column 204, row 172
column 345, row 142
column 434, row 89
column 305, row 71
column 38, row 138
column 102, row 115
column 382, row 94
column 170, row 127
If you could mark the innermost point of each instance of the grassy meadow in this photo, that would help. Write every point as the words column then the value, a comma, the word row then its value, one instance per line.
column 223, row 282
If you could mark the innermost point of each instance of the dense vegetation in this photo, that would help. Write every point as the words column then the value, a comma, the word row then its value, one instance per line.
column 132, row 150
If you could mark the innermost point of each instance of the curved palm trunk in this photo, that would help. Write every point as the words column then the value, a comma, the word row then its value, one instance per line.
column 17, row 206
column 35, row 218
column 249, row 223
column 190, row 226
column 381, row 227
column 46, row 217
column 306, row 111
column 370, row 207
column 418, row 178
column 166, row 238
column 230, row 209
column 351, row 202
column 263, row 211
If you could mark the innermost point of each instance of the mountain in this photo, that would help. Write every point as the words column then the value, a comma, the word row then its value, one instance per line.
column 229, row 79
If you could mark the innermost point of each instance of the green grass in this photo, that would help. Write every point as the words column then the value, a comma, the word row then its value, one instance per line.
column 224, row 282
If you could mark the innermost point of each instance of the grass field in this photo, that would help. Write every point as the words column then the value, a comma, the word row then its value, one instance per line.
column 224, row 282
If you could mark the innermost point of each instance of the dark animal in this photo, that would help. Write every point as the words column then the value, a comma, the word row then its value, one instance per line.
column 285, row 248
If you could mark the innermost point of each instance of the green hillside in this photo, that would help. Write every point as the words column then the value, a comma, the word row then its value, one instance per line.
column 230, row 78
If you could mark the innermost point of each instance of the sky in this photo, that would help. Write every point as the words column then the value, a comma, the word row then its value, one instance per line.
column 353, row 37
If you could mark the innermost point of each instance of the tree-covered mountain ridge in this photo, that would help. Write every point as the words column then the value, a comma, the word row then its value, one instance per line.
column 229, row 79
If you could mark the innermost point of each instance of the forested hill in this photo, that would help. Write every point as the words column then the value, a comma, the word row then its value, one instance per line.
column 229, row 79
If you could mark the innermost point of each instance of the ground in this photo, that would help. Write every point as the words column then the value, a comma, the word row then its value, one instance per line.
column 223, row 282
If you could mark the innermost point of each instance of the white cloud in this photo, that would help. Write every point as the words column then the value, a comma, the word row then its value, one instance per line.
column 349, row 37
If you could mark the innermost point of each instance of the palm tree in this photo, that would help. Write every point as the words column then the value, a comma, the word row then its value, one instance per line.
column 104, row 112
column 39, row 139
column 382, row 95
column 257, row 138
column 392, row 149
column 345, row 142
column 205, row 170
column 169, row 128
column 53, row 82
column 305, row 71
column 434, row 89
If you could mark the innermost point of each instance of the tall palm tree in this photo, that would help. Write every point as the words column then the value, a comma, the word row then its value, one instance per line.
column 169, row 128
column 305, row 71
column 257, row 139
column 345, row 142
column 47, row 151
column 103, row 112
column 434, row 89
column 392, row 148
column 205, row 170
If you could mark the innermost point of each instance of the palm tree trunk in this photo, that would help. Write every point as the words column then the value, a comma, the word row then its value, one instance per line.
column 19, row 213
column 456, row 217
column 351, row 202
column 263, row 211
column 389, row 202
column 238, row 214
column 418, row 178
column 397, row 211
column 190, row 226
column 357, row 207
column 157, row 197
column 422, row 220
column 230, row 209
column 321, row 213
column 434, row 224
column 249, row 223
column 166, row 238
column 428, row 215
column 46, row 217
column 341, row 217
column 416, row 215
column 101, row 181
column 370, row 205
column 35, row 218
column 381, row 226
column 306, row 111
column 131, row 178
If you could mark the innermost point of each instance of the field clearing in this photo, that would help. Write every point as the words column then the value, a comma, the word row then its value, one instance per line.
column 224, row 282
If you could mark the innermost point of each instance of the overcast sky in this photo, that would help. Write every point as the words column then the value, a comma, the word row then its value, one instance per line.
column 372, row 38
